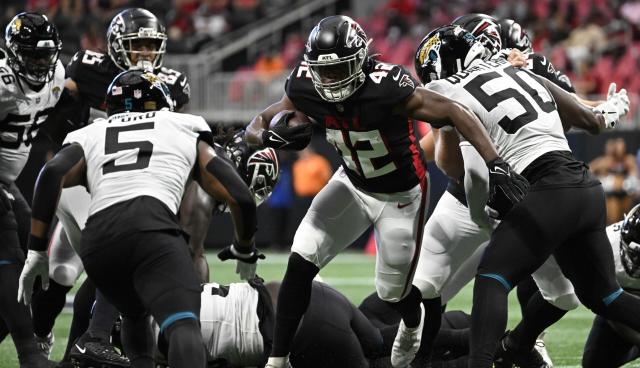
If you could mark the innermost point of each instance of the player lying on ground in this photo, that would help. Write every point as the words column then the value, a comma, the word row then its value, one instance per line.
column 545, row 222
column 32, row 81
column 237, row 324
column 136, row 187
column 612, row 344
column 367, row 109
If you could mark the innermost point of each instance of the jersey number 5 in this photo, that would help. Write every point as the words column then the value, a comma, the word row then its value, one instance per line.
column 112, row 145
column 490, row 102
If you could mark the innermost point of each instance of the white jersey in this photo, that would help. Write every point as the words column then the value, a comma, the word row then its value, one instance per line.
column 518, row 112
column 131, row 155
column 230, row 324
column 626, row 281
column 22, row 110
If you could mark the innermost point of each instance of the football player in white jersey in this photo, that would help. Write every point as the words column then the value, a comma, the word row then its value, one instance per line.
column 611, row 344
column 531, row 139
column 454, row 243
column 136, row 164
column 31, row 81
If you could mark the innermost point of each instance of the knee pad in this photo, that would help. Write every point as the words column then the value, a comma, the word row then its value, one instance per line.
column 64, row 275
column 566, row 302
column 427, row 289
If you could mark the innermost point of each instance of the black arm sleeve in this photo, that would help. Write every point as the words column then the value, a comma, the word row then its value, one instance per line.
column 225, row 172
column 49, row 183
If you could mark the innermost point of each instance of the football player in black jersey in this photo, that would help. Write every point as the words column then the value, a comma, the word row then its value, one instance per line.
column 367, row 108
column 136, row 39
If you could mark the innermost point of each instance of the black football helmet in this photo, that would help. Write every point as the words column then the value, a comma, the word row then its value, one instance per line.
column 336, row 51
column 259, row 169
column 33, row 46
column 513, row 36
column 483, row 27
column 137, row 91
column 445, row 51
column 630, row 242
column 128, row 31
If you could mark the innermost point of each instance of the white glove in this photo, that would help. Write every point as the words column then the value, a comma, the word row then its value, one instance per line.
column 247, row 271
column 37, row 264
column 616, row 106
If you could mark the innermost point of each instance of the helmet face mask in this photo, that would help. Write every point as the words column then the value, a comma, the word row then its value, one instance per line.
column 136, row 39
column 33, row 46
column 630, row 243
column 335, row 53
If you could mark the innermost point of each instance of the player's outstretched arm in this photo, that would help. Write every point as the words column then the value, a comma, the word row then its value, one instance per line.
column 66, row 169
column 220, row 180
column 426, row 105
column 573, row 112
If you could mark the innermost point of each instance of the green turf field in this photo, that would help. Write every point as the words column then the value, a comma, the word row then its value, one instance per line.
column 352, row 274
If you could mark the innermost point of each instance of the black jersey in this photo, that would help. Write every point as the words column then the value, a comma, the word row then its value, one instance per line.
column 377, row 146
column 541, row 66
column 93, row 72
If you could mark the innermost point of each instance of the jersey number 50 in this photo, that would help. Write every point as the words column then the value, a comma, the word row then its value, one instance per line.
column 112, row 145
column 490, row 102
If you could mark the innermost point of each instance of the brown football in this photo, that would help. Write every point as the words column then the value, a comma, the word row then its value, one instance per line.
column 297, row 119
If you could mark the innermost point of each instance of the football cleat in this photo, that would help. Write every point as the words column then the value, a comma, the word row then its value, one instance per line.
column 542, row 349
column 45, row 344
column 509, row 355
column 407, row 343
column 278, row 362
column 88, row 352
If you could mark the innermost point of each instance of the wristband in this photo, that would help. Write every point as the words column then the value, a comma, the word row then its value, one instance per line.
column 37, row 244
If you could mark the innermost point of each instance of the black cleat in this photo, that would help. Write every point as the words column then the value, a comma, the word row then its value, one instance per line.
column 509, row 355
column 88, row 352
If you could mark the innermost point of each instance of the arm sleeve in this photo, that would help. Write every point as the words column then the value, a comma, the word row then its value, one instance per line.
column 476, row 183
column 541, row 66
column 49, row 183
column 226, row 174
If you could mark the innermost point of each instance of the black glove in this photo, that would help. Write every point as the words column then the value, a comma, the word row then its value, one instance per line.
column 5, row 201
column 246, row 265
column 283, row 136
column 506, row 188
column 238, row 150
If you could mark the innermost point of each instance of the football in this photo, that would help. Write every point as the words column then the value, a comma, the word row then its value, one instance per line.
column 301, row 138
column 298, row 118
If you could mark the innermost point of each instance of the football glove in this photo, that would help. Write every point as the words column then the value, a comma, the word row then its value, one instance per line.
column 5, row 201
column 37, row 264
column 283, row 136
column 506, row 188
column 246, row 262
column 615, row 107
column 237, row 149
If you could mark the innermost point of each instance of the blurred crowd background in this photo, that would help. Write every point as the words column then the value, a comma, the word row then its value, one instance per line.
column 237, row 54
